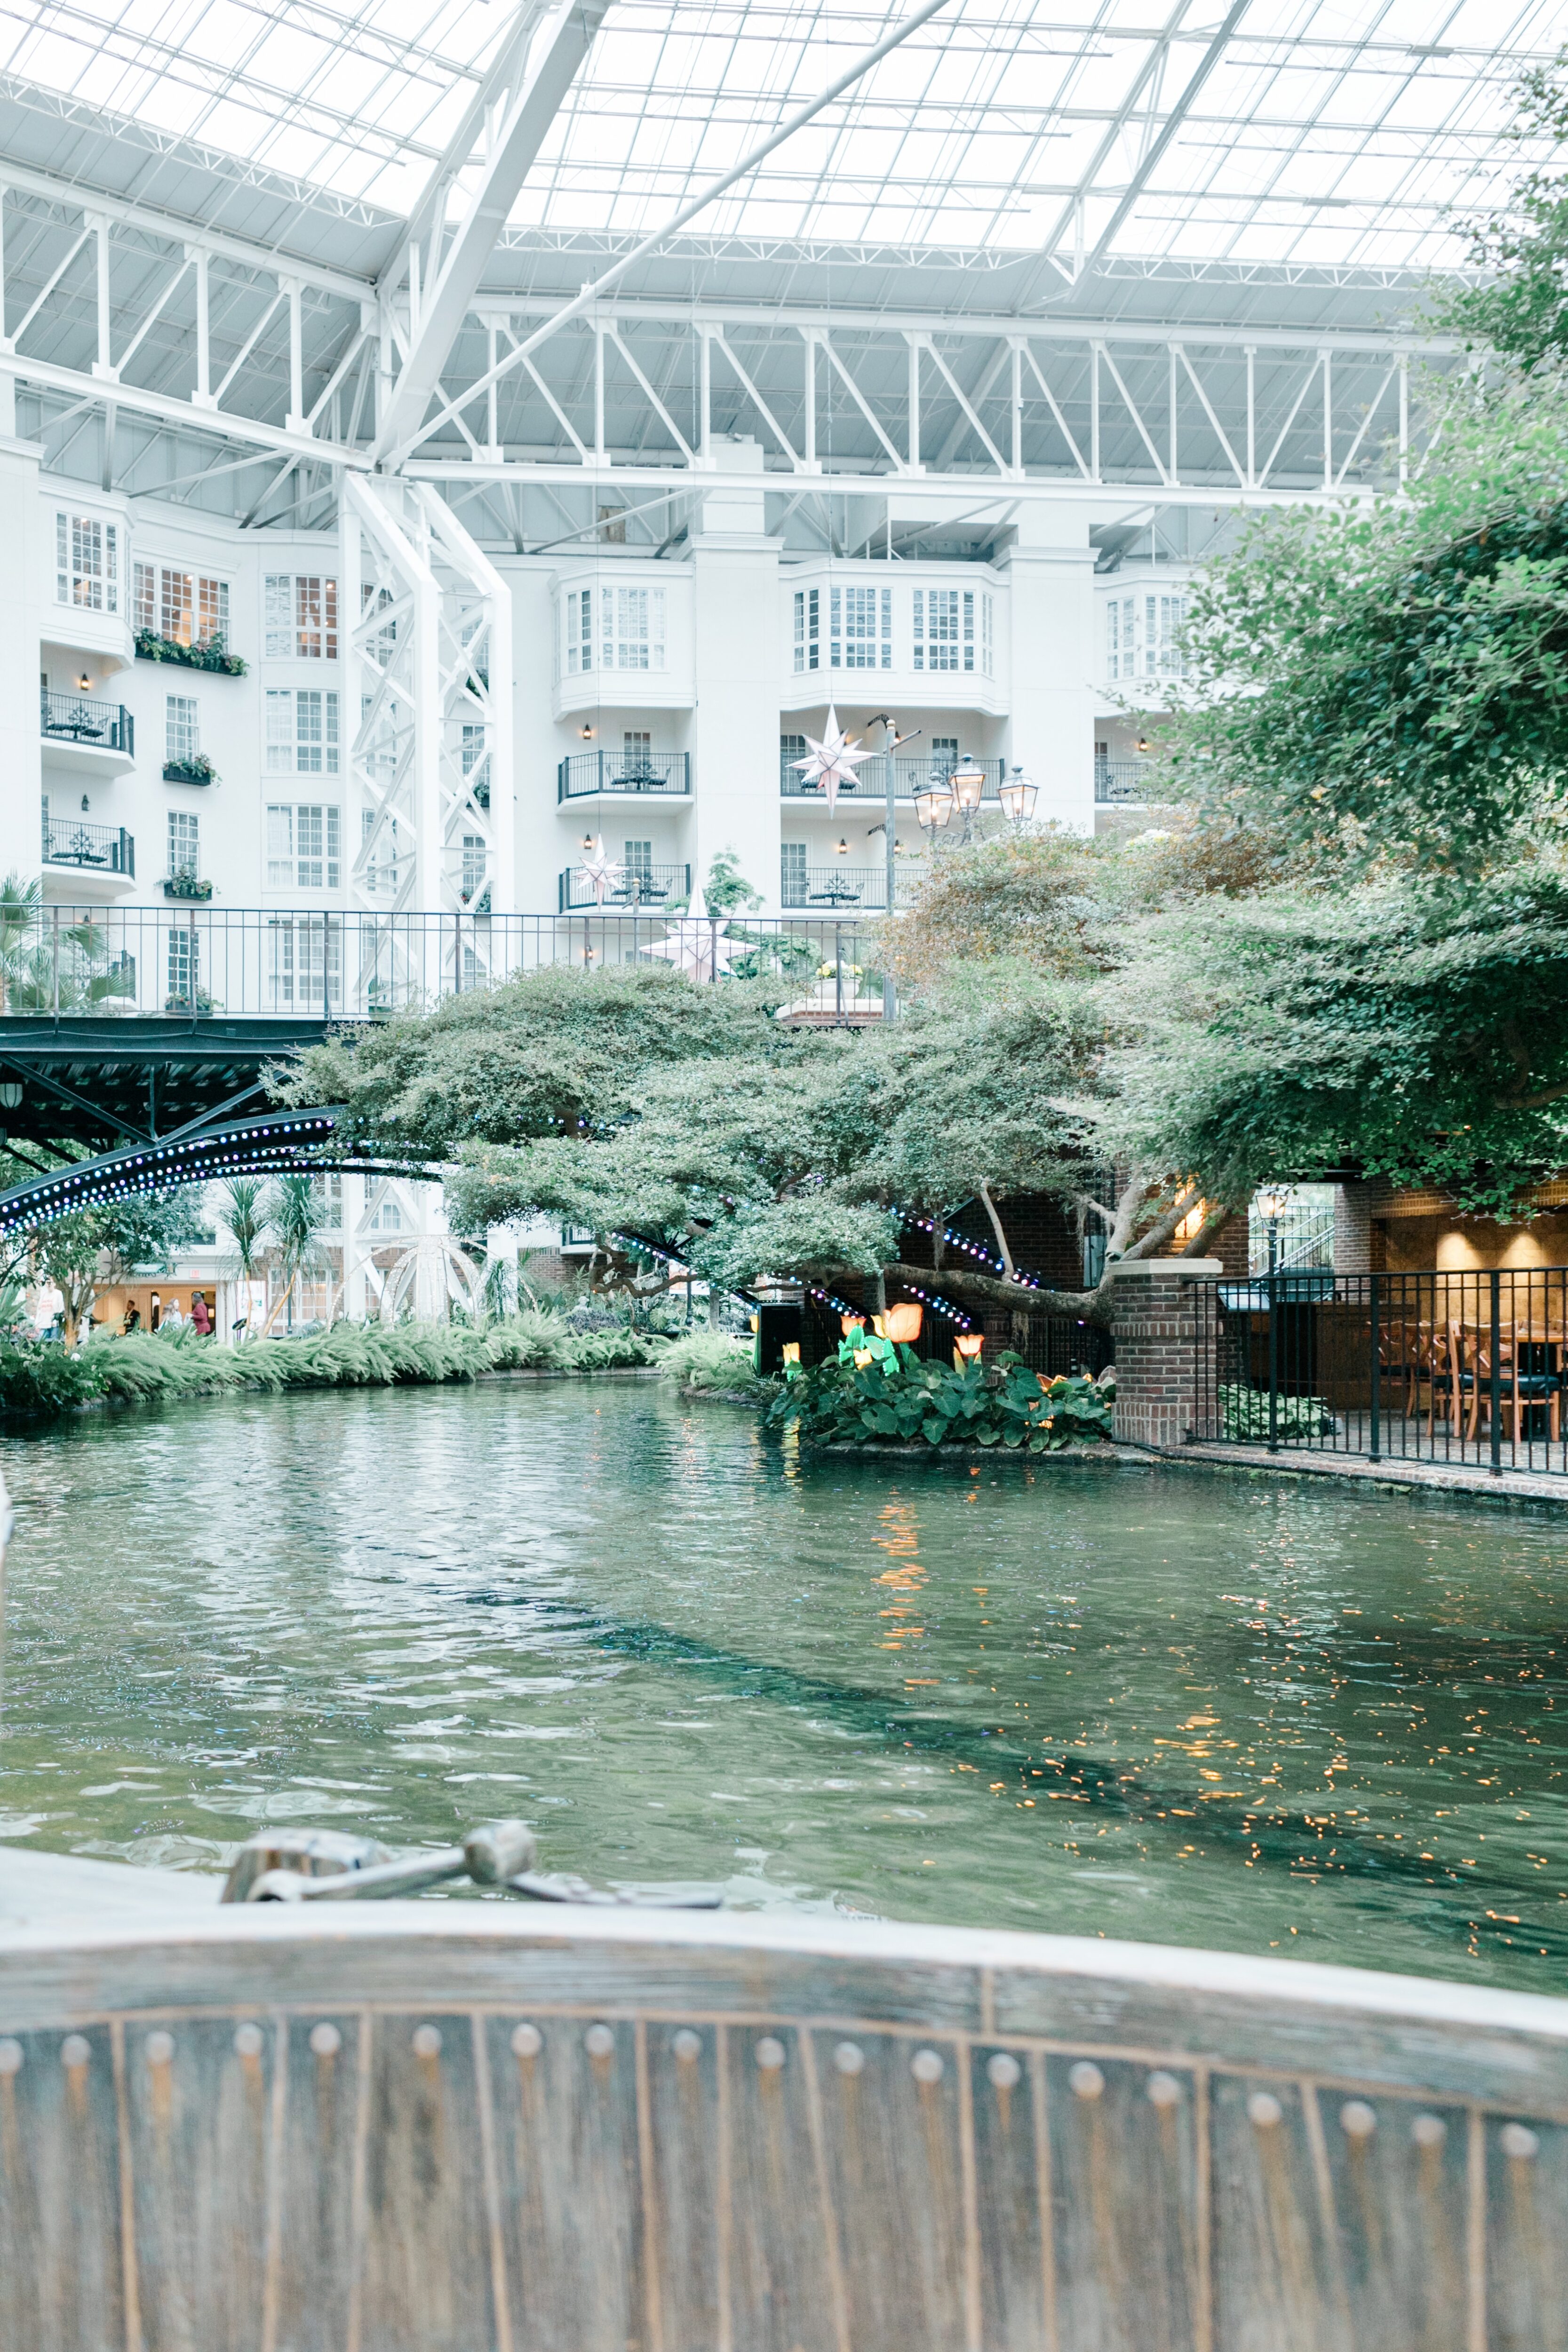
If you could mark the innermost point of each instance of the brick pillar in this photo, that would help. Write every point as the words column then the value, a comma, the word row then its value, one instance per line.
column 1162, row 1378
column 1352, row 1229
column 1231, row 1245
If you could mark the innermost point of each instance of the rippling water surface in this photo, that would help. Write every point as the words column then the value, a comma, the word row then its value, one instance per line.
column 1207, row 1709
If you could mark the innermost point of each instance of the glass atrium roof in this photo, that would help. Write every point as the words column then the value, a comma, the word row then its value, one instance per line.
column 1269, row 136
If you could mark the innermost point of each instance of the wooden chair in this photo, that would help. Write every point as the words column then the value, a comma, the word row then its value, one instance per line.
column 1526, row 1377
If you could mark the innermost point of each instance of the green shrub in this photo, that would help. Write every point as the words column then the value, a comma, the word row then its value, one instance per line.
column 1244, row 1415
column 897, row 1400
column 712, row 1359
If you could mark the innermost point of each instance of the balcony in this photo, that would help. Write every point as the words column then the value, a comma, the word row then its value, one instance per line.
column 910, row 776
column 87, row 738
column 859, row 889
column 645, row 887
column 1123, row 782
column 612, row 775
column 103, row 856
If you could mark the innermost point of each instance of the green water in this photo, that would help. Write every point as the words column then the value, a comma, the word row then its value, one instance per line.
column 1160, row 1703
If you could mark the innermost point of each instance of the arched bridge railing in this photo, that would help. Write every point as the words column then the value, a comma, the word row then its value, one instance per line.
column 300, row 1143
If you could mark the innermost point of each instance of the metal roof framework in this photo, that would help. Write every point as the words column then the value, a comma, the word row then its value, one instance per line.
column 1177, row 250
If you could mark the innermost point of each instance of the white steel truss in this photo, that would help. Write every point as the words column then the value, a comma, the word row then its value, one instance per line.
column 427, row 685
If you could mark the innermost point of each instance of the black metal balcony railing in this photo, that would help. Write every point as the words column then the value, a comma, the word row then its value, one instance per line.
column 77, row 718
column 910, row 776
column 640, row 885
column 103, row 848
column 1126, row 781
column 824, row 889
column 668, row 774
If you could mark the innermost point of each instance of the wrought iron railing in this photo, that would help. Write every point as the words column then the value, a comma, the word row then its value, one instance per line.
column 1129, row 781
column 638, row 886
column 667, row 774
column 196, row 960
column 910, row 776
column 1467, row 1369
column 108, row 848
column 866, row 887
column 79, row 719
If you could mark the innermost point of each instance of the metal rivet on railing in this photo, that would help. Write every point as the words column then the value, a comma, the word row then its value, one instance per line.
column 426, row 2042
column 686, row 2045
column 160, row 2048
column 1357, row 2120
column 75, row 2050
column 848, row 2057
column 1004, row 2071
column 927, row 2066
column 1429, row 2131
column 11, row 2057
column 599, row 2041
column 1163, row 2090
column 1085, row 2081
column 527, row 2041
column 1265, row 2110
column 248, row 2042
column 770, row 2054
column 1519, row 2142
column 326, row 2041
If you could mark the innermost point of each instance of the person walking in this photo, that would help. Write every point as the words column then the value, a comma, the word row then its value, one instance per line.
column 201, row 1315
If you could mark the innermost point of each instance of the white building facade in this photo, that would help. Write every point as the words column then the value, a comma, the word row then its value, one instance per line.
column 181, row 725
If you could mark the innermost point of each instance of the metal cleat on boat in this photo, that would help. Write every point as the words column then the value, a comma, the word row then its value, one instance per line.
column 328, row 1866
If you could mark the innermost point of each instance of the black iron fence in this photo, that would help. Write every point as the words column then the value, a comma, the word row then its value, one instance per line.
column 108, row 848
column 1467, row 1367
column 627, row 774
column 81, row 718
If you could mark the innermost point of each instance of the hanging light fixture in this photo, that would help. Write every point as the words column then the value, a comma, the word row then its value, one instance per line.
column 967, row 783
column 841, row 849
column 586, row 732
column 933, row 807
column 1017, row 797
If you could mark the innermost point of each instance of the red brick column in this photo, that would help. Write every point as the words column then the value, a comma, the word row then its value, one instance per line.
column 1160, row 1304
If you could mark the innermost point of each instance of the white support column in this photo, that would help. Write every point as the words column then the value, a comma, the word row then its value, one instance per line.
column 705, row 396
column 475, row 687
column 99, row 224
column 392, row 688
column 1404, row 420
column 1327, row 421
column 1252, row 416
column 202, row 394
column 809, row 404
column 1050, row 608
column 354, row 1249
column 297, row 421
column 914, row 457
column 1017, row 404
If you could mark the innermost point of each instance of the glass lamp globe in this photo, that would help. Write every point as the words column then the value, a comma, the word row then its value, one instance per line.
column 1017, row 797
column 967, row 783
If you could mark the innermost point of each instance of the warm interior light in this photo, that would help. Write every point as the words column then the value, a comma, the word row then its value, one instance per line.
column 842, row 848
column 83, row 682
column 903, row 1323
column 588, row 733
column 1273, row 1200
column 967, row 783
column 1017, row 797
column 968, row 1344
column 933, row 807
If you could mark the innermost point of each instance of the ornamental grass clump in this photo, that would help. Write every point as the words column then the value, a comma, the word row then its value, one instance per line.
column 875, row 1392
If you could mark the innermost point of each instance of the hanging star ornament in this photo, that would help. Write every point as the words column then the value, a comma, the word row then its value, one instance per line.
column 602, row 874
column 833, row 761
column 694, row 942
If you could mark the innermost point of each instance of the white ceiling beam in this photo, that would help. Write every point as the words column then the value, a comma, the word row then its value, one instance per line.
column 500, row 79
column 1124, row 115
column 561, row 42
column 166, row 408
column 1173, row 123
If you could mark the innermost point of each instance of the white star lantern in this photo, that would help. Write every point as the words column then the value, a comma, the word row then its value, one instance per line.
column 833, row 761
column 602, row 874
column 694, row 942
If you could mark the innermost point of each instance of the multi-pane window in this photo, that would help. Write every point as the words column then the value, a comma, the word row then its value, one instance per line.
column 87, row 562
column 614, row 628
column 792, row 876
column 1121, row 649
column 185, row 967
column 186, row 607
column 953, row 629
column 1142, row 637
column 807, row 620
column 637, row 856
column 1163, row 618
column 860, row 628
column 387, row 1217
column 301, row 846
column 182, row 731
column 943, row 754
column 474, row 848
column 791, row 748
column 302, row 731
column 307, row 954
column 637, row 747
column 301, row 617
column 184, row 843
column 473, row 745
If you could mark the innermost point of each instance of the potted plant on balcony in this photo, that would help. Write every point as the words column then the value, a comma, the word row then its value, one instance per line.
column 207, row 654
column 182, row 883
column 196, row 770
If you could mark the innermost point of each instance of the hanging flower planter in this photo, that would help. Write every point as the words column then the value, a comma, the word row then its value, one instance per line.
column 185, row 886
column 209, row 655
column 199, row 770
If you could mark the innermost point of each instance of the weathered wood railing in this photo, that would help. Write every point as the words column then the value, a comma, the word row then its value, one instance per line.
column 449, row 2127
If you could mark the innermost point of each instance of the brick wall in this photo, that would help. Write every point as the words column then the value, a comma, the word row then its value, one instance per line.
column 1160, row 1311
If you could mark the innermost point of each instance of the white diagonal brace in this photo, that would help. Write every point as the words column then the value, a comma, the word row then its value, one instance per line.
column 897, row 455
column 1063, row 428
column 1236, row 463
column 670, row 427
column 500, row 82
column 560, row 44
column 716, row 335
column 930, row 348
column 1131, row 406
